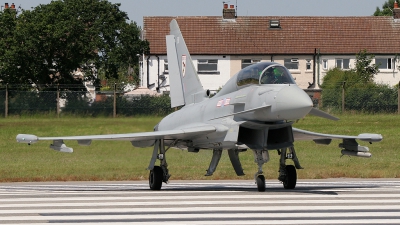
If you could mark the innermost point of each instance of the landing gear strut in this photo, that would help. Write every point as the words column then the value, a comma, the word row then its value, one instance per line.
column 158, row 174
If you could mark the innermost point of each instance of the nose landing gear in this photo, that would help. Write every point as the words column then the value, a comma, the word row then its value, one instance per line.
column 260, row 157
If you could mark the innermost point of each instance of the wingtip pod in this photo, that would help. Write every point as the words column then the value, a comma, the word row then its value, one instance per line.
column 27, row 138
column 370, row 137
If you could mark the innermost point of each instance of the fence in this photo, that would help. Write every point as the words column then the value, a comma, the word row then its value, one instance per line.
column 20, row 100
column 375, row 99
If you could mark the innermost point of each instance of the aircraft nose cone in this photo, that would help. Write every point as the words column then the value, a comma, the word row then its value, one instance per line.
column 292, row 103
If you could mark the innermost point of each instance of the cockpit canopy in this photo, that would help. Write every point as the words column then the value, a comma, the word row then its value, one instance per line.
column 264, row 73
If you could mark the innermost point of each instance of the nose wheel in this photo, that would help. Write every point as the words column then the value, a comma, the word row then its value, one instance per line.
column 260, row 180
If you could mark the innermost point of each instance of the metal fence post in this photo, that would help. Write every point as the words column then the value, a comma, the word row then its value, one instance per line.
column 58, row 101
column 115, row 101
column 344, row 83
column 398, row 99
column 6, row 103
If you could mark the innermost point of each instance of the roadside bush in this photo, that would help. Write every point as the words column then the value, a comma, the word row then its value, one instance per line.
column 144, row 105
column 30, row 102
column 332, row 87
column 359, row 96
column 76, row 103
column 377, row 98
column 140, row 105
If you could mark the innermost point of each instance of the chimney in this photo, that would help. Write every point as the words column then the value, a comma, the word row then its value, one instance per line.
column 228, row 13
column 6, row 6
column 13, row 6
column 396, row 11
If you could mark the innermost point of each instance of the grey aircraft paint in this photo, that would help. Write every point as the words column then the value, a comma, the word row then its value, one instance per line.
column 254, row 110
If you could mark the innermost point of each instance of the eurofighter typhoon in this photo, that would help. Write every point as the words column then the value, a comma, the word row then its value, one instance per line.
column 254, row 110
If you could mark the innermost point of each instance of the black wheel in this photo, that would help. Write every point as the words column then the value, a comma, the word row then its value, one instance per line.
column 156, row 178
column 260, row 183
column 291, row 177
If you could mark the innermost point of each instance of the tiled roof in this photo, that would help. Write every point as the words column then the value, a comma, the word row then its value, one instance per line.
column 298, row 35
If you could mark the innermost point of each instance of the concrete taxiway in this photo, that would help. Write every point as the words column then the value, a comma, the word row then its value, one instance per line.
column 330, row 201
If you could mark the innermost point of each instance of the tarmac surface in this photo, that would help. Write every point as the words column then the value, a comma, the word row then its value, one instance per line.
column 328, row 201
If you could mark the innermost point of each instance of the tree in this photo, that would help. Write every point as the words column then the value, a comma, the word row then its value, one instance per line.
column 8, row 22
column 362, row 93
column 387, row 8
column 121, row 65
column 362, row 74
column 51, row 41
column 364, row 69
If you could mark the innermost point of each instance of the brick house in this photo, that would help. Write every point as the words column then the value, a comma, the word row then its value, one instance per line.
column 308, row 46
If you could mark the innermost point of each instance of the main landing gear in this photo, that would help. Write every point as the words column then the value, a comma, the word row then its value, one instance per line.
column 156, row 178
column 158, row 174
column 287, row 173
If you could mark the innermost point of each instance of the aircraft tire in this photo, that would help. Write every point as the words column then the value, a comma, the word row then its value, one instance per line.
column 260, row 180
column 156, row 178
column 291, row 177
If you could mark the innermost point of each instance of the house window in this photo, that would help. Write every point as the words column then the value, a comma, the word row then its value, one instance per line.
column 166, row 66
column 346, row 64
column 292, row 64
column 343, row 63
column 207, row 66
column 325, row 64
column 248, row 62
column 385, row 63
column 308, row 64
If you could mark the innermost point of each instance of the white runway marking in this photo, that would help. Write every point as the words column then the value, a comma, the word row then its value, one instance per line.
column 342, row 201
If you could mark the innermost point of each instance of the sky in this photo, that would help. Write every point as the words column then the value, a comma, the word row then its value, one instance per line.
column 136, row 9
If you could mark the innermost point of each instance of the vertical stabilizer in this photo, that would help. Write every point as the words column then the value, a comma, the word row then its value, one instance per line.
column 185, row 84
column 175, row 81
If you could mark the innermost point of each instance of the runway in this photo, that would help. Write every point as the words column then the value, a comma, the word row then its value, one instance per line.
column 332, row 201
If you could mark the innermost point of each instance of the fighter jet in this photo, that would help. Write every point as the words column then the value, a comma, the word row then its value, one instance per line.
column 254, row 110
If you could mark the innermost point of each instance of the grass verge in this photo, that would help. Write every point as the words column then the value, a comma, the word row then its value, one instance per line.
column 119, row 160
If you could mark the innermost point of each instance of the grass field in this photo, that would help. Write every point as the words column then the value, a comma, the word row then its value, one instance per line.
column 119, row 160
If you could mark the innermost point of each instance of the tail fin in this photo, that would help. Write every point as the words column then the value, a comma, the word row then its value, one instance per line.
column 185, row 85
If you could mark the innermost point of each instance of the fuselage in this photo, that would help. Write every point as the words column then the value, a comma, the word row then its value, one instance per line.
column 245, row 91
